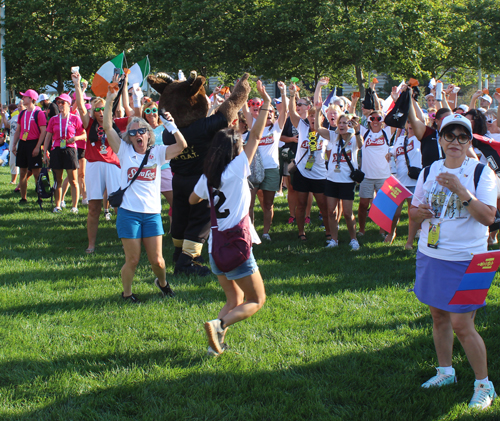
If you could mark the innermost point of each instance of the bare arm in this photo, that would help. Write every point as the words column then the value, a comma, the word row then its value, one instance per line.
column 76, row 78
column 180, row 143
column 129, row 111
column 319, row 86
column 294, row 117
column 46, row 143
column 418, row 126
column 284, row 110
column 258, row 128
column 324, row 133
column 16, row 137
column 352, row 107
column 474, row 98
column 113, row 138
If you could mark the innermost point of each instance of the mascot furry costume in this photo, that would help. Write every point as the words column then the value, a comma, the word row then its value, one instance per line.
column 187, row 102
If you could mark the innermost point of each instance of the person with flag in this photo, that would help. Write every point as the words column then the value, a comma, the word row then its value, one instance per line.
column 455, row 201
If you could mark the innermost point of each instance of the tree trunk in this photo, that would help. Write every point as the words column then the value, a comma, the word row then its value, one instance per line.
column 361, row 81
column 60, row 84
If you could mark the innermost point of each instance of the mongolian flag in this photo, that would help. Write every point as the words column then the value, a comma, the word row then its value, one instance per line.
column 490, row 149
column 104, row 76
column 387, row 200
column 477, row 279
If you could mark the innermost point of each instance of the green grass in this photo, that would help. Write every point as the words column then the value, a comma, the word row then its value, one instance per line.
column 339, row 338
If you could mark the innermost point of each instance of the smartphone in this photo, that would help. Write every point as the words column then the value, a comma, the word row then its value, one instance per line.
column 116, row 71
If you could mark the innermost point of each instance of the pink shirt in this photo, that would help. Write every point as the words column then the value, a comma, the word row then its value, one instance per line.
column 74, row 128
column 28, row 124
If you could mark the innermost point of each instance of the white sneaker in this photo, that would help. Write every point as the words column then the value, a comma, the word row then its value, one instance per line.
column 354, row 244
column 332, row 243
column 266, row 237
column 107, row 215
column 215, row 335
column 85, row 201
column 63, row 204
column 278, row 194
column 57, row 210
column 484, row 395
column 74, row 210
column 440, row 379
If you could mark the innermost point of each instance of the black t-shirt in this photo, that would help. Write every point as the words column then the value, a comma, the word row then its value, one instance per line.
column 429, row 147
column 198, row 136
column 53, row 110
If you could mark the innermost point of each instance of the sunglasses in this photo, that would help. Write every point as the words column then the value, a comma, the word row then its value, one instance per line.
column 98, row 109
column 372, row 119
column 432, row 115
column 491, row 120
column 60, row 102
column 299, row 104
column 254, row 103
column 462, row 138
column 151, row 111
column 135, row 132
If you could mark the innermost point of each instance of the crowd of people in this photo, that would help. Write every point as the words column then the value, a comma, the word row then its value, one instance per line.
column 314, row 149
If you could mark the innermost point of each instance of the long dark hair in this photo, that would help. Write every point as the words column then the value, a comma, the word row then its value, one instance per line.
column 224, row 148
column 479, row 121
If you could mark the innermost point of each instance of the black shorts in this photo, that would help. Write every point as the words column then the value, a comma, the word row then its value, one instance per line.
column 342, row 191
column 64, row 159
column 81, row 153
column 307, row 185
column 25, row 158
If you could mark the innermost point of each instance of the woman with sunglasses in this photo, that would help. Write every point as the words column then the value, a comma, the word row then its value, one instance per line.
column 63, row 131
column 103, row 166
column 455, row 201
column 268, row 149
column 139, row 215
column 374, row 145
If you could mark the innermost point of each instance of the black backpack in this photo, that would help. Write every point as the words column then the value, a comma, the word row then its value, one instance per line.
column 43, row 187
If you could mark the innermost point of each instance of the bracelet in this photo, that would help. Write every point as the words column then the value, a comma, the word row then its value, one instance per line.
column 264, row 109
column 357, row 133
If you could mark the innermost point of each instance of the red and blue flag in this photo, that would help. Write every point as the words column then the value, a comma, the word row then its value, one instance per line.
column 477, row 279
column 387, row 200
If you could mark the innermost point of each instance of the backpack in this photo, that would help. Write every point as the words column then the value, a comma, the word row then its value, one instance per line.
column 43, row 187
column 35, row 117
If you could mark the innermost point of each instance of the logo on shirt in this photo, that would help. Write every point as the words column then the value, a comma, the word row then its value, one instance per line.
column 401, row 151
column 146, row 174
column 267, row 140
column 318, row 146
column 342, row 157
column 379, row 141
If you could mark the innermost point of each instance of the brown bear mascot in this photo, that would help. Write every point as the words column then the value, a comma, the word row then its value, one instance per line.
column 188, row 104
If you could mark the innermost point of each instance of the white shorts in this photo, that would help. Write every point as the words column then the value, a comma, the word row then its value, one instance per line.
column 166, row 180
column 101, row 176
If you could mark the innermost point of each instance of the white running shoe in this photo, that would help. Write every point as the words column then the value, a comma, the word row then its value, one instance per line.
column 332, row 243
column 74, row 210
column 266, row 237
column 440, row 379
column 107, row 215
column 215, row 335
column 484, row 395
column 354, row 244
column 63, row 204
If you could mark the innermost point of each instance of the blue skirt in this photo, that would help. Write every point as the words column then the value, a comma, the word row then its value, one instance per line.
column 436, row 282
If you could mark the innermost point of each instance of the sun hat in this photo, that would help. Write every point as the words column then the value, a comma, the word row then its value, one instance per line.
column 456, row 119
column 463, row 107
column 31, row 94
column 43, row 97
column 65, row 98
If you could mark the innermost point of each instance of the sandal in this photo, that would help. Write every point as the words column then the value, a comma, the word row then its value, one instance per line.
column 90, row 250
column 328, row 237
column 302, row 237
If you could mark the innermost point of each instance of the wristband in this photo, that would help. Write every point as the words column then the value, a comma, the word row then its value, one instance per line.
column 169, row 125
column 357, row 133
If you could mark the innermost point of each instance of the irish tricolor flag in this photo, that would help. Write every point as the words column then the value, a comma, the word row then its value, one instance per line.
column 138, row 72
column 104, row 76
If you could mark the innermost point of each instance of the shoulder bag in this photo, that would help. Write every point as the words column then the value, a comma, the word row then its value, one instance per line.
column 356, row 175
column 413, row 172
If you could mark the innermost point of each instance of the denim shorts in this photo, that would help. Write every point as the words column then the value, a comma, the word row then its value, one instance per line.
column 247, row 268
column 138, row 225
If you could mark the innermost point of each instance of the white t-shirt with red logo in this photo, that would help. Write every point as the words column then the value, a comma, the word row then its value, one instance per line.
column 414, row 156
column 318, row 169
column 351, row 149
column 144, row 194
column 269, row 145
column 375, row 148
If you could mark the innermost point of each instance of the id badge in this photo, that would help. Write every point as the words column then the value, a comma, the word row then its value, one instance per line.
column 310, row 162
column 62, row 145
column 25, row 136
column 337, row 168
column 433, row 237
column 103, row 150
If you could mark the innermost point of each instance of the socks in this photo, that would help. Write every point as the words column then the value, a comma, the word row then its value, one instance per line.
column 446, row 370
column 485, row 380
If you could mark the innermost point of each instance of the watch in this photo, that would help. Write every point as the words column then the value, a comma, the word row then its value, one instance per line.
column 466, row 202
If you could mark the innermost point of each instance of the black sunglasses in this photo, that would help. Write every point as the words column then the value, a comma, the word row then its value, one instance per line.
column 135, row 132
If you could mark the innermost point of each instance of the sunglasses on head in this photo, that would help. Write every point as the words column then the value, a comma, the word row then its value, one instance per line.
column 491, row 120
column 151, row 110
column 376, row 118
column 253, row 103
column 135, row 132
column 97, row 109
column 462, row 138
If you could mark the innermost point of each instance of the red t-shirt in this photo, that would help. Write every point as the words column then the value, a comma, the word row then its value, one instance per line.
column 98, row 148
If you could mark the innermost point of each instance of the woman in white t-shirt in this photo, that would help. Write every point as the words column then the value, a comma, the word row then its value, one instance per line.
column 412, row 145
column 311, row 169
column 139, row 217
column 374, row 145
column 455, row 203
column 226, row 170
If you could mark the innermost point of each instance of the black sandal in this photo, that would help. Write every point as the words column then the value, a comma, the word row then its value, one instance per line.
column 302, row 237
column 328, row 237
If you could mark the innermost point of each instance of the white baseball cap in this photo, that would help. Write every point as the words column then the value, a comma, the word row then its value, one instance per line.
column 456, row 119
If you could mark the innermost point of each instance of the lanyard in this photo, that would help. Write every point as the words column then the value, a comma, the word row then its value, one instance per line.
column 448, row 195
column 65, row 129
column 29, row 121
column 439, row 147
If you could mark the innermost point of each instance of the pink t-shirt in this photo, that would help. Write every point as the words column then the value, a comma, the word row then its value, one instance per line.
column 28, row 124
column 57, row 126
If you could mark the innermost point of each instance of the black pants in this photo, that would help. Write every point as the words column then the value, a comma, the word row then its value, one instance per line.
column 189, row 222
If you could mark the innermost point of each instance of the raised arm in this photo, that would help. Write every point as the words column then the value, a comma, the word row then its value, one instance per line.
column 324, row 133
column 294, row 117
column 324, row 81
column 129, row 111
column 474, row 98
column 284, row 109
column 113, row 138
column 354, row 101
column 80, row 103
column 180, row 143
column 419, row 128
column 258, row 128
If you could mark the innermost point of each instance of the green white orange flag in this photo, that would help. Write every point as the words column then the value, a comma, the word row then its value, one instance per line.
column 139, row 71
column 104, row 75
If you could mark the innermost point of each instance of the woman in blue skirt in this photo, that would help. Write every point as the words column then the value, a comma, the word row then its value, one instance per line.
column 455, row 212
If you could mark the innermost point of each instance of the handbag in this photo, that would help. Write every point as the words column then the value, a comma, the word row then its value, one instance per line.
column 292, row 166
column 115, row 199
column 356, row 175
column 257, row 171
column 287, row 155
column 233, row 246
column 413, row 172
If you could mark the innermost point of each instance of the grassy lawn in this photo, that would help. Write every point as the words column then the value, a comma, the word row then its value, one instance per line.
column 340, row 337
